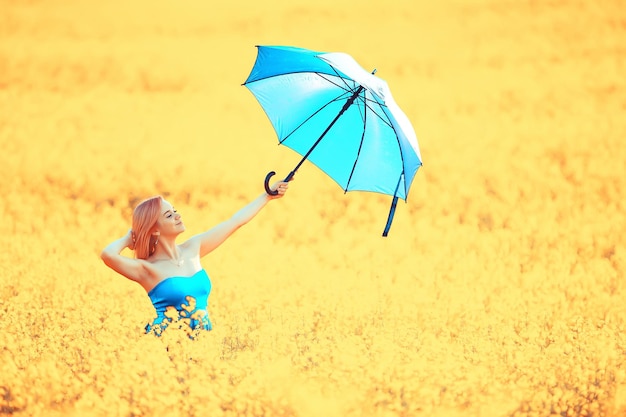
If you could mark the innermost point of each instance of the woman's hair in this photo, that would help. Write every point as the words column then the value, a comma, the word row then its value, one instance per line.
column 145, row 217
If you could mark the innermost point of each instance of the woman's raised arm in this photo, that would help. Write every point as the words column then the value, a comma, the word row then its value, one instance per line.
column 214, row 237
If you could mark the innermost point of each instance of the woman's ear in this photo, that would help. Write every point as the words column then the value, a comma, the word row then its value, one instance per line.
column 156, row 233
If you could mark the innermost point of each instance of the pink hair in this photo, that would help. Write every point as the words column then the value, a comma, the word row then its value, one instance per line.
column 145, row 217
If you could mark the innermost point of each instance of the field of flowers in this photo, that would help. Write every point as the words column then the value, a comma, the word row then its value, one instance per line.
column 500, row 290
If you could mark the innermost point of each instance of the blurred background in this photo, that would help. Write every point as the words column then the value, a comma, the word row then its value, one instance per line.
column 498, row 292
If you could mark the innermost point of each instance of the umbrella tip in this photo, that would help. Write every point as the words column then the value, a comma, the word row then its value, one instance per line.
column 374, row 72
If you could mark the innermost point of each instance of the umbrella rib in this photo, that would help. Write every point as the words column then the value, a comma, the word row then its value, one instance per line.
column 386, row 120
column 278, row 75
column 356, row 159
column 367, row 104
column 322, row 75
column 346, row 90
column 280, row 141
column 345, row 85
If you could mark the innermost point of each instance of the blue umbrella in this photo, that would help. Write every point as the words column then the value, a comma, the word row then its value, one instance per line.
column 340, row 117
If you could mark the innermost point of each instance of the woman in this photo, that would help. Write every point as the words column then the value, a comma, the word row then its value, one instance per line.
column 171, row 273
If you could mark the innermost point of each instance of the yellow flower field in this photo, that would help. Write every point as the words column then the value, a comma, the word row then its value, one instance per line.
column 500, row 290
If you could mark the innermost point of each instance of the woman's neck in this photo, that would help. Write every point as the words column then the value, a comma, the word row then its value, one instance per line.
column 166, row 249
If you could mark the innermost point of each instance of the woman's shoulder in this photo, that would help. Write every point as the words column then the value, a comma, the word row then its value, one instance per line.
column 151, row 273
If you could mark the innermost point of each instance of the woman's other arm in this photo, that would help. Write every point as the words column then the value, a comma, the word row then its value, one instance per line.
column 111, row 255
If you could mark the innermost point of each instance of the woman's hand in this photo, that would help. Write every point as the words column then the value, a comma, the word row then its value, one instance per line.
column 130, row 239
column 281, row 187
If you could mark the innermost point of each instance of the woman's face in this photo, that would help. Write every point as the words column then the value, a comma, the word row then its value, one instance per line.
column 169, row 221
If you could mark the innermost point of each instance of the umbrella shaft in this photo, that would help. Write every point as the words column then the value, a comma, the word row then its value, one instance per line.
column 290, row 176
column 343, row 109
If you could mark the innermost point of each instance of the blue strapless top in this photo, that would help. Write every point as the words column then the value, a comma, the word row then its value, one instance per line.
column 181, row 302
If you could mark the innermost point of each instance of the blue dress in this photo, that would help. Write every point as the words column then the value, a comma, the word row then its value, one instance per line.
column 181, row 302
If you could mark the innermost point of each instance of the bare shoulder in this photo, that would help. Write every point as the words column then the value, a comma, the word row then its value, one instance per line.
column 151, row 274
column 145, row 272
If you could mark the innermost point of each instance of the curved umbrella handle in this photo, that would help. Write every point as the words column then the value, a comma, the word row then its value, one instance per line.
column 270, row 175
column 268, row 190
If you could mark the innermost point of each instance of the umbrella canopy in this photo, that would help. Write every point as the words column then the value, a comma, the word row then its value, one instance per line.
column 339, row 116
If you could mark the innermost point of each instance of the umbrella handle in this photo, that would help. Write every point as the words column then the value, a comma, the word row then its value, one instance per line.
column 270, row 175
column 268, row 190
